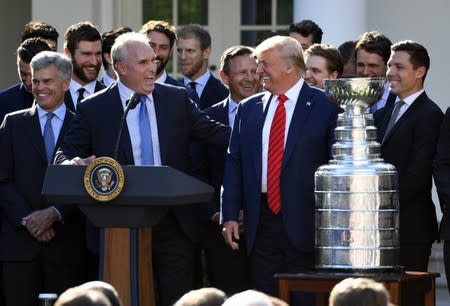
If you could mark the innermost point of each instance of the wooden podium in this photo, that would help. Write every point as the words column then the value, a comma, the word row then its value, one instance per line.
column 148, row 193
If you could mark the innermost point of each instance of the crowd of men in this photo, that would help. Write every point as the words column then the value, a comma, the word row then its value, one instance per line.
column 256, row 134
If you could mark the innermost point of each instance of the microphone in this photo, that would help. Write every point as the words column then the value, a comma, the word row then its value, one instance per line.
column 131, row 103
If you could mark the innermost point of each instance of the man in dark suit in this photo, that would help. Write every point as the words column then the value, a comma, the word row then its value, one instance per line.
column 441, row 173
column 408, row 132
column 19, row 96
column 162, row 37
column 41, row 242
column 193, row 49
column 238, row 73
column 372, row 51
column 108, row 39
column 279, row 139
column 83, row 44
column 42, row 30
column 172, row 122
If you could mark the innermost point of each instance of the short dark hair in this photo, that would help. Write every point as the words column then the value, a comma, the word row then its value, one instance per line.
column 347, row 50
column 232, row 52
column 330, row 53
column 80, row 31
column 30, row 47
column 161, row 26
column 418, row 54
column 375, row 42
column 39, row 29
column 306, row 27
column 108, row 39
column 196, row 31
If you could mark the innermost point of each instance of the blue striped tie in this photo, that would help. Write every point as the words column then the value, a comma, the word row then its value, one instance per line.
column 146, row 134
column 49, row 137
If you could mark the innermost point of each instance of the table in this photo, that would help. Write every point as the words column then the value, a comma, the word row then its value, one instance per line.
column 321, row 283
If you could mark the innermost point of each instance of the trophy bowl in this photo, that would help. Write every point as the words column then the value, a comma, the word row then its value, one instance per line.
column 363, row 92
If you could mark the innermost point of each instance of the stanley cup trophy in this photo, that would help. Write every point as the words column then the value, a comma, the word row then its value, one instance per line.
column 357, row 208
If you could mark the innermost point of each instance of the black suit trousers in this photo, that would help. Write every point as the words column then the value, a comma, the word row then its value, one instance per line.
column 22, row 281
column 173, row 261
column 273, row 253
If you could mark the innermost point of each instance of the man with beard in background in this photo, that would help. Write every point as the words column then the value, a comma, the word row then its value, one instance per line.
column 162, row 37
column 83, row 44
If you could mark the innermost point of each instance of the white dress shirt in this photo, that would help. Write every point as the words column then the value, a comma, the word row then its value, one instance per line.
column 292, row 95
column 74, row 86
column 133, row 125
column 201, row 82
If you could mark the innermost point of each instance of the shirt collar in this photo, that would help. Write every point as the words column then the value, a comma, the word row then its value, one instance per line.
column 162, row 78
column 60, row 112
column 202, row 80
column 410, row 99
column 90, row 87
column 294, row 91
column 126, row 93
column 231, row 105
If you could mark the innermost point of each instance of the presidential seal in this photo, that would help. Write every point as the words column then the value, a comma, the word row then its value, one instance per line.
column 104, row 179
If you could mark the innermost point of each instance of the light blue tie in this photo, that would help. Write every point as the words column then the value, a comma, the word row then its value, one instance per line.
column 49, row 137
column 146, row 134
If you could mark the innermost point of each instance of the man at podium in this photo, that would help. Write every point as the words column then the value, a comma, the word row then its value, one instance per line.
column 158, row 131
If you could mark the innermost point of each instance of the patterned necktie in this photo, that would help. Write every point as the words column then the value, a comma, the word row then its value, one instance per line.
column 146, row 134
column 194, row 95
column 275, row 156
column 80, row 91
column 49, row 137
column 393, row 119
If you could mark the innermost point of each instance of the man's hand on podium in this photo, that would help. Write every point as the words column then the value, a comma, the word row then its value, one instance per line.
column 79, row 161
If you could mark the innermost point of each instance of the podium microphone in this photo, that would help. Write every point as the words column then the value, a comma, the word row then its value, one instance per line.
column 131, row 104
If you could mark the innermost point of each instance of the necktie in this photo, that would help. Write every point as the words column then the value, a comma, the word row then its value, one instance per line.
column 49, row 137
column 393, row 119
column 232, row 115
column 80, row 91
column 275, row 156
column 194, row 96
column 146, row 134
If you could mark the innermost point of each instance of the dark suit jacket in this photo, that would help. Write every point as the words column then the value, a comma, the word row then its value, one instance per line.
column 214, row 158
column 95, row 130
column 23, row 164
column 172, row 81
column 14, row 98
column 410, row 147
column 213, row 92
column 441, row 172
column 311, row 134
column 68, row 97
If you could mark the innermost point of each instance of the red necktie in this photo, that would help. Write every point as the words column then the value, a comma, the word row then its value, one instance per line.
column 275, row 156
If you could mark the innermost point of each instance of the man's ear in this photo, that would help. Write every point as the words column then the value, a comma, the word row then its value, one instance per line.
column 224, row 77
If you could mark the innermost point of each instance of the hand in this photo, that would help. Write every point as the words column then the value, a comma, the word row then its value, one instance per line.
column 40, row 221
column 47, row 235
column 216, row 218
column 230, row 231
column 79, row 161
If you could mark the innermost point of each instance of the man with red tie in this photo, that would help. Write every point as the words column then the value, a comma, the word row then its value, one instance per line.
column 280, row 137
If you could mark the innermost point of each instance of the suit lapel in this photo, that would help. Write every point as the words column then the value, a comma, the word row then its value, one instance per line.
column 223, row 114
column 162, row 113
column 258, row 116
column 68, row 101
column 404, row 118
column 302, row 110
column 66, row 124
column 99, row 86
column 33, row 131
column 116, row 112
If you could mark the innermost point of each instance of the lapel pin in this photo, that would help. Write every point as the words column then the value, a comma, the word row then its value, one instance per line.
column 308, row 103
